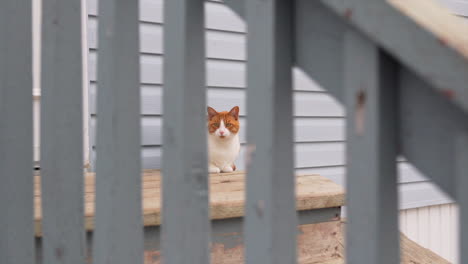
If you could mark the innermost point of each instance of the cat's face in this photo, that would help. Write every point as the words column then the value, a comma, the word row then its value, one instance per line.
column 223, row 125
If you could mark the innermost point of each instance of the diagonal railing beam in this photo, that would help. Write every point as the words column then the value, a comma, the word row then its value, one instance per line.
column 410, row 43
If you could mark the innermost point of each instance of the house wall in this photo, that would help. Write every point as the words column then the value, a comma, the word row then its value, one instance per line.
column 319, row 118
column 434, row 227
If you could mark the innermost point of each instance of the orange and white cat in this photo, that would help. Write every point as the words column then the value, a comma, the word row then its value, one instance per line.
column 223, row 140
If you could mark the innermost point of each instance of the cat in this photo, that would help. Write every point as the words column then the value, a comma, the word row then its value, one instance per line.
column 223, row 139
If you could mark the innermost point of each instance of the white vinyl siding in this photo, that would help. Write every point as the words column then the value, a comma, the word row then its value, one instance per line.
column 433, row 227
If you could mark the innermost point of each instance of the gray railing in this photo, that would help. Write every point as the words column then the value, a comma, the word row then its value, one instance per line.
column 392, row 106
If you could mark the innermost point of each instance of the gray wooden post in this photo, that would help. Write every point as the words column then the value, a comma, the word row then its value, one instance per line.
column 61, row 133
column 270, row 224
column 371, row 96
column 185, row 223
column 461, row 173
column 119, row 224
column 16, row 156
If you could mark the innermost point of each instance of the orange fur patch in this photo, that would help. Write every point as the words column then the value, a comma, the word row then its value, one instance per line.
column 231, row 120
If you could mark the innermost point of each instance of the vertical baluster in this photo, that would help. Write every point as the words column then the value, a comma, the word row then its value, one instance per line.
column 270, row 225
column 119, row 224
column 16, row 156
column 185, row 223
column 371, row 99
column 61, row 133
column 461, row 174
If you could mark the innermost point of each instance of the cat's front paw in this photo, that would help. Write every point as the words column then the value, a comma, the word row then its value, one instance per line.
column 213, row 169
column 227, row 169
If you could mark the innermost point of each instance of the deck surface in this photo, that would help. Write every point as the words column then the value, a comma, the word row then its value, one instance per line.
column 226, row 196
column 227, row 201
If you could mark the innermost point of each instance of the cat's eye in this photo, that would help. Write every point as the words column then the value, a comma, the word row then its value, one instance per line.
column 216, row 124
column 228, row 125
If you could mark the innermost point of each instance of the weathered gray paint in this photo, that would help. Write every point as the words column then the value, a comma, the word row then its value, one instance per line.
column 410, row 43
column 227, row 232
column 270, row 207
column 16, row 155
column 371, row 98
column 61, row 133
column 119, row 226
column 185, row 214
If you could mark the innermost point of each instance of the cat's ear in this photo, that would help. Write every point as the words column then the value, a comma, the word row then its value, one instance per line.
column 235, row 112
column 211, row 112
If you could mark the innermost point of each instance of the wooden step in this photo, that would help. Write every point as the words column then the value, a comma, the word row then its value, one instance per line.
column 320, row 229
column 226, row 196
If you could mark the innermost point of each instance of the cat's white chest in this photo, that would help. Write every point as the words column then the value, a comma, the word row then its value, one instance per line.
column 223, row 153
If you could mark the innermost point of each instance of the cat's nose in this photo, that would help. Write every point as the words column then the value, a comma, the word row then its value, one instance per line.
column 221, row 132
